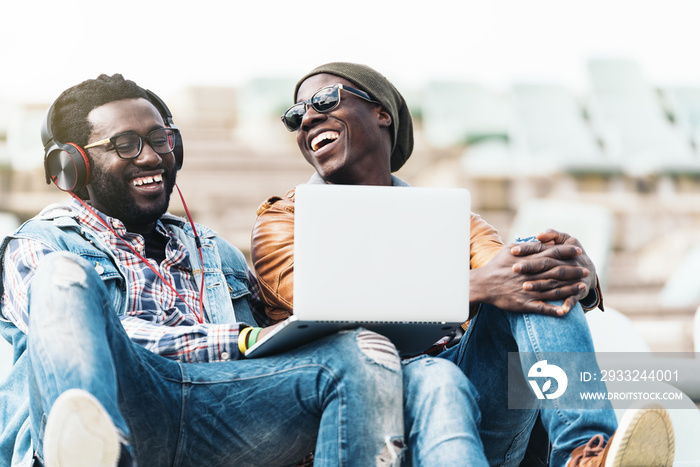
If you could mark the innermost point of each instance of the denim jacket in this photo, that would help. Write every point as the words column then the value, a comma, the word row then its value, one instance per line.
column 226, row 282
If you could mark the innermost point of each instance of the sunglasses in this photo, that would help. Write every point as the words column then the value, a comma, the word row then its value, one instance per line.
column 324, row 100
column 130, row 145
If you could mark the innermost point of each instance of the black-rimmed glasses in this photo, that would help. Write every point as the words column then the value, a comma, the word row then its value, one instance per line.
column 130, row 145
column 323, row 100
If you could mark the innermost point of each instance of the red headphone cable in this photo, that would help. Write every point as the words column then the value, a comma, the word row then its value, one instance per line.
column 199, row 248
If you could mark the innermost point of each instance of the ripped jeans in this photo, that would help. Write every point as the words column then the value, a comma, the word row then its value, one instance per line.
column 340, row 397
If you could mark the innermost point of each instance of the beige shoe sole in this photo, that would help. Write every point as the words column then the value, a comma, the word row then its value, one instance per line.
column 643, row 438
column 80, row 433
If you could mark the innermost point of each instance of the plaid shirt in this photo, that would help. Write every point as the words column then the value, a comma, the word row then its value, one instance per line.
column 155, row 317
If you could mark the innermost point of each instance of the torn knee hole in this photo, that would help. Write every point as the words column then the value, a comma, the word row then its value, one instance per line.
column 67, row 272
column 379, row 349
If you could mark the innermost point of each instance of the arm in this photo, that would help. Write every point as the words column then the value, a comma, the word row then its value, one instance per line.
column 273, row 254
column 187, row 343
column 523, row 276
column 502, row 283
column 485, row 242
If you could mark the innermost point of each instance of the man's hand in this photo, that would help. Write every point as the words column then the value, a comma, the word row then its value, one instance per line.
column 523, row 276
column 565, row 258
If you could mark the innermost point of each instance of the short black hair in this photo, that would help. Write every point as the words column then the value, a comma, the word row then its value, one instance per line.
column 70, row 115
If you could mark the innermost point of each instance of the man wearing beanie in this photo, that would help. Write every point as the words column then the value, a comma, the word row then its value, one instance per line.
column 357, row 130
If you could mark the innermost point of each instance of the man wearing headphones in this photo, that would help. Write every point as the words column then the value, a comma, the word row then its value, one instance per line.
column 353, row 126
column 129, row 324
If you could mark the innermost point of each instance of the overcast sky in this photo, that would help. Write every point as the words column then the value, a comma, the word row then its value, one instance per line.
column 49, row 45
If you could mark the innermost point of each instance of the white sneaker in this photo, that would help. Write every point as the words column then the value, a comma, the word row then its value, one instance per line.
column 80, row 433
column 643, row 437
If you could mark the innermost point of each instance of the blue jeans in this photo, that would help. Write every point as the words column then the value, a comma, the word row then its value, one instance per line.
column 483, row 356
column 441, row 414
column 340, row 397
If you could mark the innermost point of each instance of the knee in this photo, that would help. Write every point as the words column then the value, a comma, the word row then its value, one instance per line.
column 429, row 377
column 60, row 277
column 61, row 269
column 437, row 386
column 575, row 317
column 378, row 349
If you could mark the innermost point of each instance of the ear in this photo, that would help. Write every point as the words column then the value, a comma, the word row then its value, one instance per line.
column 383, row 117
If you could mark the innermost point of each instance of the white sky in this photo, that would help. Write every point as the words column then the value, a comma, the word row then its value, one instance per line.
column 49, row 45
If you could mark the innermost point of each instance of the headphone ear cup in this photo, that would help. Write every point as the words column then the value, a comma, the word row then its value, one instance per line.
column 67, row 166
column 178, row 151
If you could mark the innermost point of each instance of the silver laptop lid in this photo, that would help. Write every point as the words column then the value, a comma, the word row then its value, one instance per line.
column 381, row 254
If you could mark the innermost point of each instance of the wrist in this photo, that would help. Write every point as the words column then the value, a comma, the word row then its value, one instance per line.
column 242, row 339
column 477, row 289
column 593, row 299
column 247, row 337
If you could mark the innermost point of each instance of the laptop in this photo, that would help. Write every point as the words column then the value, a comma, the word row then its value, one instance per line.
column 394, row 260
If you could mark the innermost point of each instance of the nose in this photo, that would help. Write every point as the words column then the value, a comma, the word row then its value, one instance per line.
column 311, row 117
column 148, row 157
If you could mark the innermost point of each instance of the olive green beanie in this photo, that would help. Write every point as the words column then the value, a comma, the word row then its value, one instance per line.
column 380, row 89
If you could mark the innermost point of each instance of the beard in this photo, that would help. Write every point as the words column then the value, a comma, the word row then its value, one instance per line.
column 115, row 193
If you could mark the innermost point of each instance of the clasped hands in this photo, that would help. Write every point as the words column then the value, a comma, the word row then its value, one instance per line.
column 524, row 276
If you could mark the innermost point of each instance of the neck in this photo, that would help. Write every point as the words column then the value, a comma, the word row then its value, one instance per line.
column 379, row 179
column 357, row 175
column 144, row 230
column 376, row 181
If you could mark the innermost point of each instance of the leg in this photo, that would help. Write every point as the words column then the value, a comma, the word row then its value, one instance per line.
column 530, row 335
column 76, row 341
column 483, row 356
column 341, row 395
column 571, row 426
column 441, row 415
column 69, row 340
column 539, row 335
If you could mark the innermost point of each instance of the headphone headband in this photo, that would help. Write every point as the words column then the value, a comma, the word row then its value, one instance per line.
column 67, row 164
column 168, row 120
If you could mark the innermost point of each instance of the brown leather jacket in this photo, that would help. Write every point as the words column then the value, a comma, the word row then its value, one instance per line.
column 273, row 251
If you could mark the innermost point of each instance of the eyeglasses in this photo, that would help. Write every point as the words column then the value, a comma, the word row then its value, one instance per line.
column 130, row 145
column 324, row 100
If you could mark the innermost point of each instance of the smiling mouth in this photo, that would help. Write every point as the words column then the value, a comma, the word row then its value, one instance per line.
column 147, row 181
column 324, row 139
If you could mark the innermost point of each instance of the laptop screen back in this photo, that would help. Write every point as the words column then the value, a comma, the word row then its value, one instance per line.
column 381, row 254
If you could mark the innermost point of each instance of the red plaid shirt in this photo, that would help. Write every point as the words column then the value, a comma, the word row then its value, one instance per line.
column 156, row 317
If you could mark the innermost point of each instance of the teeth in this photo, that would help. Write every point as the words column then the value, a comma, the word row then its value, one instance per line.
column 145, row 180
column 327, row 137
